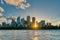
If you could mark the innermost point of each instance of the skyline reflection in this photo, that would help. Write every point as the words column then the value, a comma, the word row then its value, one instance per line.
column 30, row 35
column 35, row 36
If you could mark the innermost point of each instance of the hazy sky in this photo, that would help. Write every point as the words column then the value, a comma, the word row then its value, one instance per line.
column 41, row 9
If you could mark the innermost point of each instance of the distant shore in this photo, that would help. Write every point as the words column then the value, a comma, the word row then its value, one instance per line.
column 27, row 28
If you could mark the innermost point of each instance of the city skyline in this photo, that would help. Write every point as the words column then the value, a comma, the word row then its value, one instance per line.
column 42, row 9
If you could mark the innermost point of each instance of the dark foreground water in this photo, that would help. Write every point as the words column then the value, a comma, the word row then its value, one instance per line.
column 29, row 34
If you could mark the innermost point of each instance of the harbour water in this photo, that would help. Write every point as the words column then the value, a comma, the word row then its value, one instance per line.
column 29, row 34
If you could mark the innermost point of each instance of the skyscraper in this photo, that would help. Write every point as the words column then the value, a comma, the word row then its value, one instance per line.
column 18, row 21
column 49, row 24
column 42, row 23
column 3, row 24
column 33, row 22
column 22, row 21
column 33, row 19
column 13, row 23
column 28, row 20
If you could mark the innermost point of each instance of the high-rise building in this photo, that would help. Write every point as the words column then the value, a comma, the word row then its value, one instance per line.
column 33, row 19
column 42, row 23
column 18, row 21
column 22, row 21
column 48, row 24
column 13, row 23
column 3, row 24
column 33, row 22
column 28, row 20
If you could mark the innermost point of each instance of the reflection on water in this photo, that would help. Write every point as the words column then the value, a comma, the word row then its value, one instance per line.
column 35, row 35
column 29, row 34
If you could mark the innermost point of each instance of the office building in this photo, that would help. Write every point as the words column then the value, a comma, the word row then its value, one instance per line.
column 48, row 24
column 42, row 23
column 18, row 21
column 13, row 23
column 4, row 24
column 33, row 19
column 22, row 21
column 28, row 20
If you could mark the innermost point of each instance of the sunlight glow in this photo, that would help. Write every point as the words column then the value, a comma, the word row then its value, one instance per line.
column 35, row 25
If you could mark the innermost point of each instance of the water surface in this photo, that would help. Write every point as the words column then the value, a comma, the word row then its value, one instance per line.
column 29, row 34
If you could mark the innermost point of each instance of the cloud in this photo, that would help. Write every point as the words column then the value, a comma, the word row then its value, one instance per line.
column 1, row 9
column 19, row 3
column 2, row 2
column 56, row 23
column 1, row 15
column 2, row 19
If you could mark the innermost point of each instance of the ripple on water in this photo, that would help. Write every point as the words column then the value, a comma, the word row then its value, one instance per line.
column 29, row 34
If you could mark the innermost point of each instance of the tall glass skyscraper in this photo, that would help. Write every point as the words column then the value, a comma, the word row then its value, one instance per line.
column 42, row 23
column 18, row 20
column 28, row 18
column 33, row 20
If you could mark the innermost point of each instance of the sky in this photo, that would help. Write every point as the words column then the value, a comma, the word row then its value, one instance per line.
column 48, row 10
